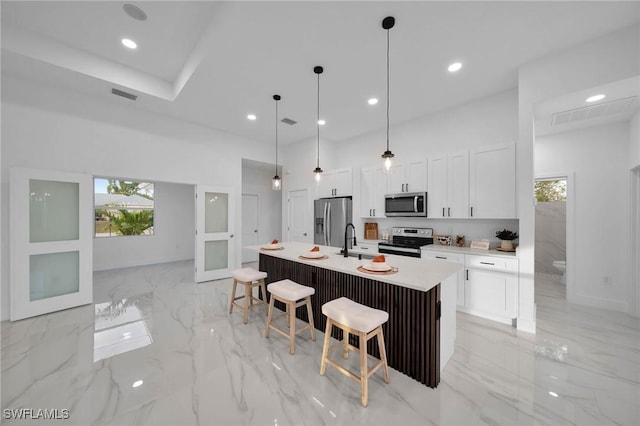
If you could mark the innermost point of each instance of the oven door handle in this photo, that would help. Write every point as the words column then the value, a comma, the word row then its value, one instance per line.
column 402, row 249
column 415, row 204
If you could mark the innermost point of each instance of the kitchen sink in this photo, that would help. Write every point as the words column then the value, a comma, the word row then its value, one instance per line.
column 358, row 255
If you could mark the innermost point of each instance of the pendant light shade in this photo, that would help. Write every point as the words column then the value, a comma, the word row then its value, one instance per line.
column 387, row 24
column 276, row 182
column 318, row 171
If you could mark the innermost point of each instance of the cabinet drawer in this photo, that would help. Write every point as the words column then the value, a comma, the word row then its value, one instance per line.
column 440, row 255
column 498, row 264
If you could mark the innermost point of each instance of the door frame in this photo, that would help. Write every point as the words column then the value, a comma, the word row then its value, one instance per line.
column 569, row 176
column 257, row 223
column 634, row 249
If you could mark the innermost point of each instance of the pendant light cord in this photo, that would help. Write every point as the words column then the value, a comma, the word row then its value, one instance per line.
column 276, row 138
column 387, row 90
column 318, row 126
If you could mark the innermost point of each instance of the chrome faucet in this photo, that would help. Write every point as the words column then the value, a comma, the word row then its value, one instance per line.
column 346, row 229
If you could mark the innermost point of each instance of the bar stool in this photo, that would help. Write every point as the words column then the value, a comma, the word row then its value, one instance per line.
column 249, row 278
column 293, row 295
column 364, row 322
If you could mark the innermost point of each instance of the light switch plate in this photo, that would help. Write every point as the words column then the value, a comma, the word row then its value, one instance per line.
column 484, row 245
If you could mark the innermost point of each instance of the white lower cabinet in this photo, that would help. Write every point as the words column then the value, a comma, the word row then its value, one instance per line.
column 491, row 287
column 487, row 286
column 453, row 258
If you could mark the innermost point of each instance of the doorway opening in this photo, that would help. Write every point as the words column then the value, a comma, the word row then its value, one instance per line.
column 553, row 224
column 635, row 237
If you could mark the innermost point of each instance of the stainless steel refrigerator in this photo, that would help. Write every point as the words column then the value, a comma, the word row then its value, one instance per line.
column 331, row 216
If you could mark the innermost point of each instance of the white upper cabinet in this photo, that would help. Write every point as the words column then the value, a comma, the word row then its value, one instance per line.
column 448, row 185
column 492, row 188
column 408, row 177
column 373, row 187
column 336, row 183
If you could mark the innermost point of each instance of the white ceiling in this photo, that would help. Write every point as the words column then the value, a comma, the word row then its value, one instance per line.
column 212, row 63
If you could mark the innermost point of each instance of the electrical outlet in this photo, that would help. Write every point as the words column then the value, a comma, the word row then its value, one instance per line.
column 606, row 280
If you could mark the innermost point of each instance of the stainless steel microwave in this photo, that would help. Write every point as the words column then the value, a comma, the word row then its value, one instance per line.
column 406, row 204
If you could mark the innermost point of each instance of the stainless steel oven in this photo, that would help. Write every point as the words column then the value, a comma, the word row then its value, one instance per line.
column 407, row 241
column 405, row 204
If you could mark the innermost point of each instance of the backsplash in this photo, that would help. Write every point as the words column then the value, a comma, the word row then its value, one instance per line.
column 472, row 229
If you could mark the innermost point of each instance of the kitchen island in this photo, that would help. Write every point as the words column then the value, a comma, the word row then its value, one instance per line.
column 420, row 299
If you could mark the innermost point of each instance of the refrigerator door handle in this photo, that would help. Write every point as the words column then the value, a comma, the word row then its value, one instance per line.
column 324, row 220
column 330, row 224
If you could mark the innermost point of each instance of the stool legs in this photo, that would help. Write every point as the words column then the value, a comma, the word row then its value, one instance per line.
column 269, row 317
column 263, row 288
column 233, row 295
column 248, row 297
column 383, row 355
column 325, row 347
column 364, row 376
column 291, row 306
column 248, row 300
column 312, row 326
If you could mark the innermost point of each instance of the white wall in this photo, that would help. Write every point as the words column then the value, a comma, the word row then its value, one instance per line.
column 634, row 141
column 55, row 129
column 551, row 235
column 597, row 156
column 173, row 238
column 604, row 60
column 257, row 181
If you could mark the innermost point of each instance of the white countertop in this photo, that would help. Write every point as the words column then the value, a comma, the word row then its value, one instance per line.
column 469, row 250
column 418, row 274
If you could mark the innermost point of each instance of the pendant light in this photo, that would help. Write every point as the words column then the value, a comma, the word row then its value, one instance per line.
column 318, row 171
column 276, row 183
column 387, row 24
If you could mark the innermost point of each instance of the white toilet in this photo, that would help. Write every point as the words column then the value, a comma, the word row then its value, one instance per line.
column 561, row 265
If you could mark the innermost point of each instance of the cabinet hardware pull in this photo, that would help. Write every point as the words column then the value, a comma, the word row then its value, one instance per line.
column 449, row 211
column 440, row 257
column 467, row 275
column 443, row 212
column 487, row 263
column 407, row 186
column 374, row 212
column 370, row 212
column 471, row 211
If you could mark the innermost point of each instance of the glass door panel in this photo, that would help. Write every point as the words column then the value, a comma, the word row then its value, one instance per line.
column 51, row 241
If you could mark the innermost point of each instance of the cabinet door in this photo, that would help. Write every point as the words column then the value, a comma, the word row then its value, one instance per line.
column 437, row 186
column 490, row 292
column 396, row 179
column 324, row 188
column 416, row 176
column 458, row 184
column 342, row 183
column 493, row 182
column 379, row 191
column 453, row 258
column 367, row 183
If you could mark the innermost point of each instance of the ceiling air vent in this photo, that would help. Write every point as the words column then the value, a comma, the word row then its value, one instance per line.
column 288, row 121
column 603, row 109
column 124, row 94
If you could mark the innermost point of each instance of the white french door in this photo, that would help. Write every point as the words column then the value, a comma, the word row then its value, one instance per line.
column 215, row 229
column 51, row 237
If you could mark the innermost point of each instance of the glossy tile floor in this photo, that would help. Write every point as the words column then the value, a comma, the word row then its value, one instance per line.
column 158, row 349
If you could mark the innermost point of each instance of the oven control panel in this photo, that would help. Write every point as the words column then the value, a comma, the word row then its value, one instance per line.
column 413, row 232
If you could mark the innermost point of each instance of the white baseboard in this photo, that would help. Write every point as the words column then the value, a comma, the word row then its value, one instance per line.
column 614, row 305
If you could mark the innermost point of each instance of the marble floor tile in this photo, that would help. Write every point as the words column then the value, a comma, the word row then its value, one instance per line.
column 158, row 349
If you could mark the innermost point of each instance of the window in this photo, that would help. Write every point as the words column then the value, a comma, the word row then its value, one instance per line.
column 123, row 207
column 551, row 190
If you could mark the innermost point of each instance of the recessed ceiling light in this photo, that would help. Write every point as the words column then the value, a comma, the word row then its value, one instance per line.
column 135, row 12
column 137, row 383
column 372, row 101
column 553, row 394
column 251, row 117
column 321, row 122
column 129, row 43
column 595, row 98
column 455, row 67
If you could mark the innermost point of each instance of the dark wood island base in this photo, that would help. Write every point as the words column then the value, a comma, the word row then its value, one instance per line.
column 412, row 334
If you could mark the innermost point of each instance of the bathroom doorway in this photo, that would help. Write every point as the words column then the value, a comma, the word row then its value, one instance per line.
column 553, row 224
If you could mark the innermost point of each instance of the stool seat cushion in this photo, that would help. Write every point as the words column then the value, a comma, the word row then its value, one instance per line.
column 289, row 290
column 248, row 274
column 354, row 315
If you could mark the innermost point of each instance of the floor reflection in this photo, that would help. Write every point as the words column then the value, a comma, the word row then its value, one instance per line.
column 120, row 327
